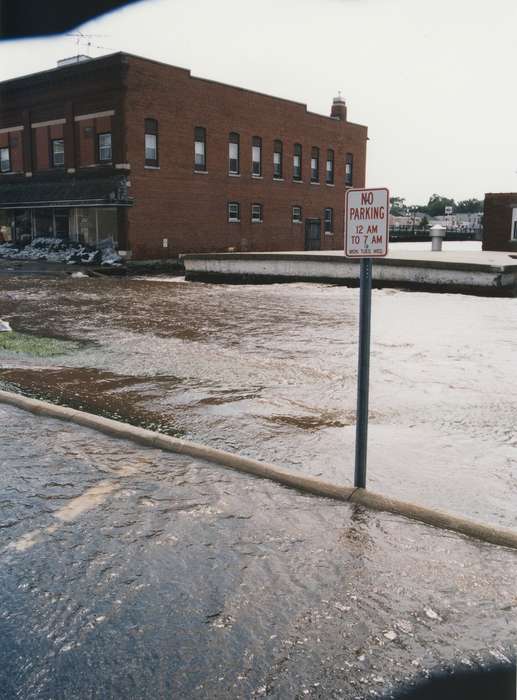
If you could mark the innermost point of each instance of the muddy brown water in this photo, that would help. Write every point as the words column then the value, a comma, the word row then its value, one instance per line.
column 270, row 371
column 127, row 572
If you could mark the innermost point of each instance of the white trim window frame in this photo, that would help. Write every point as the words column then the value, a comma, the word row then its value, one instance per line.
column 234, row 212
column 5, row 158
column 256, row 156
column 256, row 213
column 104, row 147
column 233, row 154
column 296, row 214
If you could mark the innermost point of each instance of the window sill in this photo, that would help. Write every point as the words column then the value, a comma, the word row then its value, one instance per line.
column 313, row 182
column 297, row 222
column 234, row 174
column 234, row 221
column 151, row 167
column 257, row 221
column 330, row 184
column 278, row 179
column 257, row 177
column 200, row 172
column 299, row 182
column 329, row 233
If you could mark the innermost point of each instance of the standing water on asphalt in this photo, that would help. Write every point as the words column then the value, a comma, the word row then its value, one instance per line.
column 270, row 372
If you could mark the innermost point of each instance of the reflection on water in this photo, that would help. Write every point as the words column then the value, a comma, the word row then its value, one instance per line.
column 270, row 371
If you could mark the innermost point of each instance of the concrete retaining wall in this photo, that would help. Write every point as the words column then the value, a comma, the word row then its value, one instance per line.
column 432, row 275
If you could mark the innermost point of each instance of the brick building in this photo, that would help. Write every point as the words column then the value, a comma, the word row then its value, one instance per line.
column 500, row 222
column 125, row 148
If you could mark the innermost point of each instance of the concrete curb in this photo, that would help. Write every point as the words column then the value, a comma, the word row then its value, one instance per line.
column 308, row 484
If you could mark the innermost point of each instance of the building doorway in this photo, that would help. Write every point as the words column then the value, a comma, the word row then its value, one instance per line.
column 312, row 234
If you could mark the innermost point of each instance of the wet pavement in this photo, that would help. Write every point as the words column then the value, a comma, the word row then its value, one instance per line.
column 270, row 371
column 129, row 572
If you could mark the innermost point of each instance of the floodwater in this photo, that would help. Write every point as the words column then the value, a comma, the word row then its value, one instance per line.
column 270, row 371
column 127, row 572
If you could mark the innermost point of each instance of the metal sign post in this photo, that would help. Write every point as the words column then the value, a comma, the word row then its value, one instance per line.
column 363, row 372
column 366, row 237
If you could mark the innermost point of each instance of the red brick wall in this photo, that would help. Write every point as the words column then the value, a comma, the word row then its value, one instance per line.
column 190, row 209
column 85, row 130
column 497, row 220
column 85, row 88
column 16, row 148
column 13, row 141
column 41, row 148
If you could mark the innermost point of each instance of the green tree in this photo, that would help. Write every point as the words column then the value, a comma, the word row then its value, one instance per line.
column 469, row 206
column 436, row 205
column 397, row 206
column 424, row 222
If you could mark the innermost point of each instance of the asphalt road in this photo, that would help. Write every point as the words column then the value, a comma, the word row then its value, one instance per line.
column 126, row 572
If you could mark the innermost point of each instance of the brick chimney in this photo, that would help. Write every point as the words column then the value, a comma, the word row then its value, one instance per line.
column 338, row 108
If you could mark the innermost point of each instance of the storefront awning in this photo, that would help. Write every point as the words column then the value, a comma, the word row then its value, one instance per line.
column 74, row 192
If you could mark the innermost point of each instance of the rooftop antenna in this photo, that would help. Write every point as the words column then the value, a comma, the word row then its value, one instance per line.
column 85, row 40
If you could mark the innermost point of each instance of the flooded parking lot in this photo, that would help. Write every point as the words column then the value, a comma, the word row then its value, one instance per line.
column 270, row 371
column 129, row 572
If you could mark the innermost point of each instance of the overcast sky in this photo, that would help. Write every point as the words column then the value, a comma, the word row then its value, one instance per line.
column 434, row 80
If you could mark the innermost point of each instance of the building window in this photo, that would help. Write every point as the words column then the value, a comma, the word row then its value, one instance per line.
column 58, row 153
column 199, row 148
column 297, row 215
column 104, row 143
column 277, row 160
column 329, row 220
column 297, row 162
column 5, row 160
column 329, row 170
column 233, row 154
column 349, row 169
column 234, row 211
column 151, row 142
column 315, row 164
column 256, row 213
column 256, row 156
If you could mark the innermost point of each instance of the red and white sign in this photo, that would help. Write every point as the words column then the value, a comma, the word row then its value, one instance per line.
column 367, row 223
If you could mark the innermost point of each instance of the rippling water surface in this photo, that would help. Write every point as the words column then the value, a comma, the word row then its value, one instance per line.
column 270, row 371
column 127, row 572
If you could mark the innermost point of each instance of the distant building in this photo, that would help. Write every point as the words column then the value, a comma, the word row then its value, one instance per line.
column 500, row 222
column 128, row 149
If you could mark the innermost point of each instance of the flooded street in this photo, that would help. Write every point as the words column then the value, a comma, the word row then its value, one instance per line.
column 130, row 572
column 270, row 371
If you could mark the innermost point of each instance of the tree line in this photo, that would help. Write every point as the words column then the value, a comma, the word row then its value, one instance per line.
column 435, row 206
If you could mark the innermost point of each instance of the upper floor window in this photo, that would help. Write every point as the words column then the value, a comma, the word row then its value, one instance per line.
column 234, row 211
column 199, row 148
column 315, row 164
column 256, row 213
column 5, row 160
column 58, row 153
column 297, row 162
column 256, row 156
column 349, row 169
column 151, row 142
column 329, row 220
column 104, row 144
column 233, row 154
column 297, row 215
column 277, row 160
column 329, row 170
